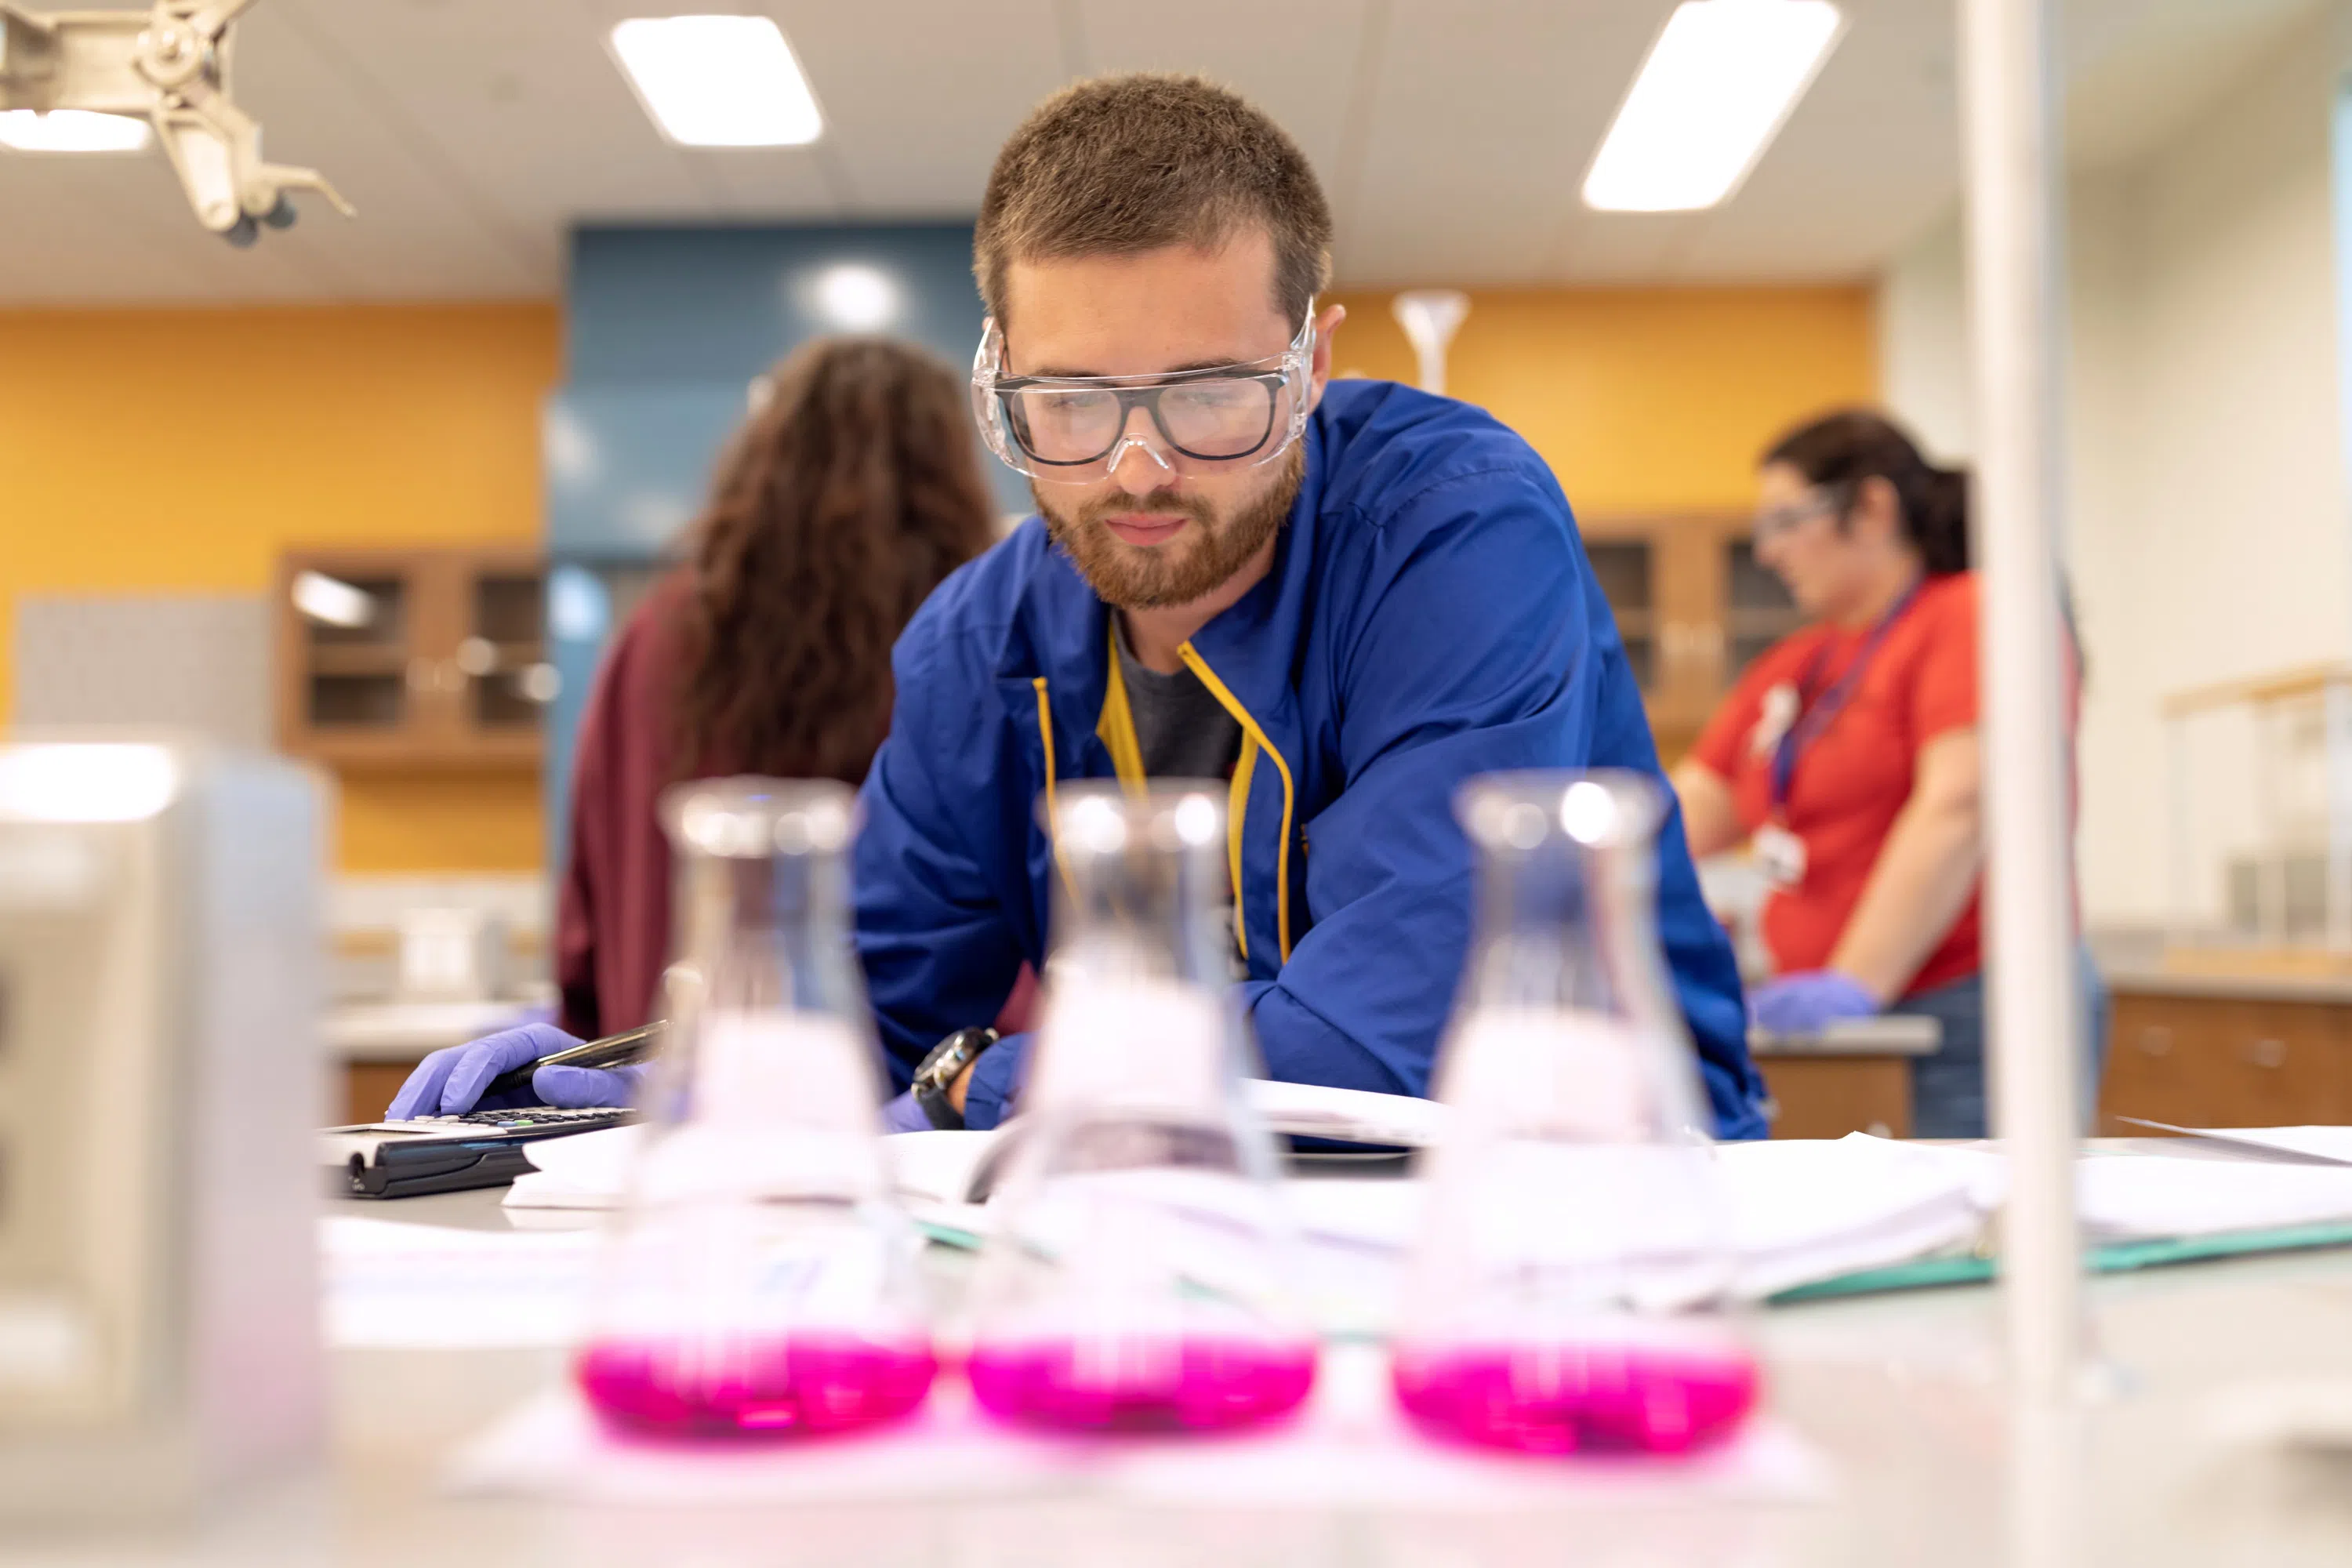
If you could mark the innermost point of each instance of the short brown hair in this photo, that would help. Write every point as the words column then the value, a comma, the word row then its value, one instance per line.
column 1122, row 165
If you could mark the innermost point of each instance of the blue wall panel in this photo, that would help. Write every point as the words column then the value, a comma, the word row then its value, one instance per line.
column 628, row 462
column 720, row 304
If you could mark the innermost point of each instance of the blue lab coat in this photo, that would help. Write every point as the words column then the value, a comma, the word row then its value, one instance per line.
column 1430, row 617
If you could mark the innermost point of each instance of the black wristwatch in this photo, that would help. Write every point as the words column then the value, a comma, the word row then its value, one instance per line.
column 948, row 1058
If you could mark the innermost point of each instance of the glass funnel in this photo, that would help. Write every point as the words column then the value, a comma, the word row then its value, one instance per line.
column 1138, row 1275
column 1570, row 1288
column 761, row 1280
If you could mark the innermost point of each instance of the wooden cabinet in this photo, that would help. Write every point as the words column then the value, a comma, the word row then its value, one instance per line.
column 2226, row 1061
column 412, row 658
column 1829, row 1096
column 1693, row 607
column 368, row 1089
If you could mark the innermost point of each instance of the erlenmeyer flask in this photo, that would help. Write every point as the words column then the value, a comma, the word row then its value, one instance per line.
column 761, row 1280
column 1138, row 1276
column 1570, row 1287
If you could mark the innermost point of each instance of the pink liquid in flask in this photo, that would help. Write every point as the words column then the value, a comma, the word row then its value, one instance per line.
column 1560, row 1398
column 754, row 1386
column 1141, row 1385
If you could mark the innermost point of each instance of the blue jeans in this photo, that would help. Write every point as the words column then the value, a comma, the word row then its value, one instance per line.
column 1947, row 1088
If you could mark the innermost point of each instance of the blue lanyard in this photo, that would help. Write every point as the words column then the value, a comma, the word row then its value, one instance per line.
column 1817, row 716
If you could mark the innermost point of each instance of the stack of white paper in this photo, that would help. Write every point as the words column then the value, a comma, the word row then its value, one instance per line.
column 2142, row 1197
column 1796, row 1211
column 2139, row 1199
column 584, row 1171
column 2331, row 1143
column 1351, row 1115
column 1800, row 1211
column 590, row 1170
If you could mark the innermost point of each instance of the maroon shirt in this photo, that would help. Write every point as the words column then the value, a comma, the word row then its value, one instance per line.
column 613, row 912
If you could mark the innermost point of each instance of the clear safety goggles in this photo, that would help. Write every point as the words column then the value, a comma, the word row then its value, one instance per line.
column 1074, row 429
column 1825, row 500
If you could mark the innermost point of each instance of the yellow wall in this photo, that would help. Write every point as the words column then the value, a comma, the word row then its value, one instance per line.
column 161, row 449
column 1641, row 399
column 182, row 449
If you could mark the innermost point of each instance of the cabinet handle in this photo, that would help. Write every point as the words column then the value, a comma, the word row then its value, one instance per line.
column 2265, row 1053
column 2156, row 1042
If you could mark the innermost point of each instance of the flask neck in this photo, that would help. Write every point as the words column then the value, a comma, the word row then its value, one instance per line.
column 758, row 933
column 1144, row 914
column 1561, row 924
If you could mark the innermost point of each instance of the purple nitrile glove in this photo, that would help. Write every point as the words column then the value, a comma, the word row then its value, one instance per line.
column 450, row 1082
column 994, row 1087
column 576, row 1089
column 903, row 1115
column 1805, row 1004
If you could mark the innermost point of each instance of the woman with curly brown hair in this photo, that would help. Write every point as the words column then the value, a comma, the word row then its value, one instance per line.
column 837, row 508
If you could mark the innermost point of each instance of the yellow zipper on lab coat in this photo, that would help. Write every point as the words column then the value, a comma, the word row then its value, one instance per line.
column 1254, row 740
column 1117, row 731
column 1046, row 734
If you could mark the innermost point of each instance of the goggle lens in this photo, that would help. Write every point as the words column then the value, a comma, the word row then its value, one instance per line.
column 1217, row 419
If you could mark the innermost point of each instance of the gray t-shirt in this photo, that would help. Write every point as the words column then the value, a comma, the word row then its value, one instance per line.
column 1182, row 732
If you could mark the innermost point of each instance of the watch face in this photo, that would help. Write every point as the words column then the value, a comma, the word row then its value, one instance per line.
column 946, row 1060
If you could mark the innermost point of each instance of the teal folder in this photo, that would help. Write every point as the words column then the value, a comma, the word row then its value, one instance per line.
column 2120, row 1258
column 1926, row 1273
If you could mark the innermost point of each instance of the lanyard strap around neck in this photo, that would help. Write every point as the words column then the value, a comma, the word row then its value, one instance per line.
column 1818, row 715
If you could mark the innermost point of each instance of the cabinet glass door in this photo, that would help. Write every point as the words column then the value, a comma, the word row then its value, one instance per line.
column 1624, row 567
column 504, row 656
column 355, row 650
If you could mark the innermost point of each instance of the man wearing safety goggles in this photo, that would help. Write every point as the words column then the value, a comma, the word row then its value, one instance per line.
column 1348, row 599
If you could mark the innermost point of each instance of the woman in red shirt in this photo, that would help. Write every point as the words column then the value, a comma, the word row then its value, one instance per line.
column 1848, row 756
column 840, row 504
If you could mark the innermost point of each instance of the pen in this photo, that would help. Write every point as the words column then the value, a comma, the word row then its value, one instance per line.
column 611, row 1051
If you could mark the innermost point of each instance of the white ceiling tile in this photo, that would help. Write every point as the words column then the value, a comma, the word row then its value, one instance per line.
column 336, row 85
column 1295, row 61
column 120, row 229
column 1868, row 158
column 918, row 94
column 775, row 182
column 1484, row 116
column 1622, row 247
column 1452, row 134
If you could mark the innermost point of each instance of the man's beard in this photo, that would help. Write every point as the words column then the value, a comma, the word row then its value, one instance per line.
column 1157, row 577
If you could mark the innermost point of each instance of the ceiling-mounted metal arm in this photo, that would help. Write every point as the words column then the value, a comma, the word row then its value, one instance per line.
column 168, row 65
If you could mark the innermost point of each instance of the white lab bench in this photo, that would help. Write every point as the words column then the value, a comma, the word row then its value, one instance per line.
column 1901, row 1393
column 407, row 1031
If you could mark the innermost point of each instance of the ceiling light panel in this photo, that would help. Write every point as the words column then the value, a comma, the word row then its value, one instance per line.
column 71, row 131
column 1715, row 89
column 719, row 82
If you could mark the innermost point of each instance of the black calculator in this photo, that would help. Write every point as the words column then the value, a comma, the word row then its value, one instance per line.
column 449, row 1153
